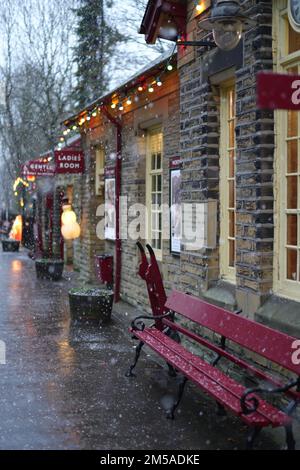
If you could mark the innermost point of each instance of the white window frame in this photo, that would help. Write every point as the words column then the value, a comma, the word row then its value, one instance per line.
column 99, row 171
column 281, row 285
column 149, row 173
column 227, row 272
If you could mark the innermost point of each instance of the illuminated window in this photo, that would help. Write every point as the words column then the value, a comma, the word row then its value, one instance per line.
column 99, row 172
column 287, row 160
column 154, row 189
column 227, row 182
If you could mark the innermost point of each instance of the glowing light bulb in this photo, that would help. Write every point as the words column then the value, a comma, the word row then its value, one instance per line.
column 170, row 67
column 140, row 88
column 74, row 128
column 199, row 7
column 94, row 113
column 158, row 82
column 121, row 107
column 128, row 101
column 113, row 105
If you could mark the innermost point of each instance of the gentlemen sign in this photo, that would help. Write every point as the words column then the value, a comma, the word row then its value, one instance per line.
column 278, row 91
column 69, row 161
column 39, row 167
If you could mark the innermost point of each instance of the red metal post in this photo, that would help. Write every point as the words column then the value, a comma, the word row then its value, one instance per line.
column 40, row 245
column 118, row 246
column 62, row 243
column 49, row 203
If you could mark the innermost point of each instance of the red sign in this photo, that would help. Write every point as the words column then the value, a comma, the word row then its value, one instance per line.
column 110, row 172
column 39, row 167
column 278, row 91
column 175, row 162
column 69, row 161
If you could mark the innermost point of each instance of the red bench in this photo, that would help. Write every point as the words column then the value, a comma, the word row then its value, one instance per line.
column 250, row 405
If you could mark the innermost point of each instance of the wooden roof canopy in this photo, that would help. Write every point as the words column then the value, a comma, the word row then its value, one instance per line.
column 162, row 17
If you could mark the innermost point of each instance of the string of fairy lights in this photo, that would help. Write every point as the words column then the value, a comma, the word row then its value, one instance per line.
column 120, row 101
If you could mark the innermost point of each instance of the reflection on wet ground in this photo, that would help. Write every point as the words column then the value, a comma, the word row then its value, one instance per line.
column 63, row 387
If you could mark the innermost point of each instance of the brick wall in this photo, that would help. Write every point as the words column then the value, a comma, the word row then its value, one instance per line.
column 255, row 163
column 199, row 142
column 164, row 110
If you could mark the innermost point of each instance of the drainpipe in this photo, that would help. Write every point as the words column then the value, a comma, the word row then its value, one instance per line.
column 118, row 172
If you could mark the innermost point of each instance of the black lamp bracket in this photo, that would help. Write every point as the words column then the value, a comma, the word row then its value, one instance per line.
column 209, row 44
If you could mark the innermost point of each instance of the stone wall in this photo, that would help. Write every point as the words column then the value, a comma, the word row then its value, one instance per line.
column 200, row 76
column 163, row 111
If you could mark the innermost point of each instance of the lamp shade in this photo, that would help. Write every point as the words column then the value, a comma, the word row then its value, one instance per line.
column 70, row 231
column 68, row 217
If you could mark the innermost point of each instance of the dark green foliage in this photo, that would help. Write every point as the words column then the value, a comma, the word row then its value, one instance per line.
column 97, row 40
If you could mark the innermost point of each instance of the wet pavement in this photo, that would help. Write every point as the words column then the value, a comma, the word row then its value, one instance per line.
column 64, row 386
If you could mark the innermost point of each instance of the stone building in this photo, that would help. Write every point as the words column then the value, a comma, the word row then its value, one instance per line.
column 238, row 162
column 130, row 137
column 245, row 158
column 51, row 188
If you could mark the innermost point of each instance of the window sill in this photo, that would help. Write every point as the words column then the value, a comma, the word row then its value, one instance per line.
column 281, row 314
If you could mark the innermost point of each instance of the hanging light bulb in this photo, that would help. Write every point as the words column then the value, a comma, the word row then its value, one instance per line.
column 74, row 128
column 88, row 118
column 70, row 228
column 129, row 102
column 169, row 67
column 151, row 89
column 158, row 82
column 68, row 217
column 200, row 7
column 140, row 88
column 113, row 105
column 65, row 132
column 121, row 107
column 94, row 113
column 70, row 231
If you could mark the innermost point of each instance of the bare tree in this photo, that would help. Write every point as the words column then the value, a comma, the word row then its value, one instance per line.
column 36, row 77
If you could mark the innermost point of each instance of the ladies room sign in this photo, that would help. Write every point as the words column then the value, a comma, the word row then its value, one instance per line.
column 69, row 161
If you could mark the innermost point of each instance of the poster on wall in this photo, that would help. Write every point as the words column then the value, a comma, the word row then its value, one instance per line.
column 110, row 213
column 175, row 203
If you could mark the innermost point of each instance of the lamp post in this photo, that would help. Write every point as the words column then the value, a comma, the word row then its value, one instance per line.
column 227, row 23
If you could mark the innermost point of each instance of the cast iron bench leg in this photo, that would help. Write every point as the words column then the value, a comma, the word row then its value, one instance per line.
column 171, row 412
column 172, row 371
column 290, row 441
column 221, row 410
column 138, row 349
column 254, row 432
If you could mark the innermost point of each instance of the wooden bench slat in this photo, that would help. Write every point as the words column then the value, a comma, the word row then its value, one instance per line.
column 231, row 357
column 258, row 338
column 214, row 382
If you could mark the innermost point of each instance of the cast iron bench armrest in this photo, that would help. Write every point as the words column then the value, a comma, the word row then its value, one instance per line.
column 247, row 410
column 137, row 325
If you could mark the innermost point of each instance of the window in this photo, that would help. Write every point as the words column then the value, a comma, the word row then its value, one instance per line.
column 287, row 159
column 154, row 190
column 227, row 182
column 99, row 172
